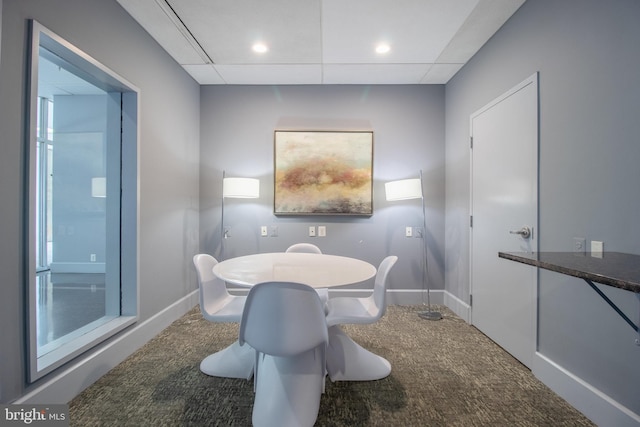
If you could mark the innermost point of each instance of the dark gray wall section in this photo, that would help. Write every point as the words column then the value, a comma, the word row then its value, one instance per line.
column 168, row 176
column 238, row 124
column 587, row 54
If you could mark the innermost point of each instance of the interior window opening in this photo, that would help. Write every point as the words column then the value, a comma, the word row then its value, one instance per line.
column 81, row 287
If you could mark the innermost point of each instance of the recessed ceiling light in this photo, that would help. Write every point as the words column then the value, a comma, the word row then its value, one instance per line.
column 383, row 48
column 260, row 48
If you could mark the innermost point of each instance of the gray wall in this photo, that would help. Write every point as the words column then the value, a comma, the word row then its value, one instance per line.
column 238, row 123
column 587, row 54
column 168, row 176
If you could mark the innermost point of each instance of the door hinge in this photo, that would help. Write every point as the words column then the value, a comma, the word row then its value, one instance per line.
column 471, row 142
column 471, row 221
column 470, row 300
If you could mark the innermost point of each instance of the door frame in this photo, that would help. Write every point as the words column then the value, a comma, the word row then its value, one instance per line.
column 531, row 80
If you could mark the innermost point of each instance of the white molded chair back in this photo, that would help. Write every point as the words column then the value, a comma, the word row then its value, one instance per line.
column 310, row 248
column 283, row 319
column 216, row 304
column 304, row 247
column 285, row 323
column 363, row 310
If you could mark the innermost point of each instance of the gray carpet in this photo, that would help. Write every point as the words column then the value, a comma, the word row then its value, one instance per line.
column 444, row 373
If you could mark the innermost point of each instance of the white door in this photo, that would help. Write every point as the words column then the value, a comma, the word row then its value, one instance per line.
column 504, row 202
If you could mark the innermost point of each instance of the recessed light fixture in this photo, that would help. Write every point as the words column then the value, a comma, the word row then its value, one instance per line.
column 260, row 48
column 383, row 48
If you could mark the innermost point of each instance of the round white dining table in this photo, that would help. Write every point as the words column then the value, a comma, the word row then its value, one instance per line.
column 346, row 360
column 315, row 270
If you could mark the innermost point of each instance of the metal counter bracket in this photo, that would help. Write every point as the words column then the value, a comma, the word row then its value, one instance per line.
column 615, row 307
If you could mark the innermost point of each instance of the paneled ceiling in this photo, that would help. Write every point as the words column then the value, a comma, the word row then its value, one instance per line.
column 321, row 41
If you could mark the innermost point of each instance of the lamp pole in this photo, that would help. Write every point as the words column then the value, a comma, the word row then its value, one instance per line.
column 223, row 233
column 428, row 315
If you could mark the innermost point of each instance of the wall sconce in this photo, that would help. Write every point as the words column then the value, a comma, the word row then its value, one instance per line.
column 99, row 187
column 406, row 189
column 236, row 188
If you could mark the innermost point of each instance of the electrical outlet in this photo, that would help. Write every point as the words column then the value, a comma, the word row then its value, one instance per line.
column 263, row 231
column 579, row 245
column 408, row 231
column 93, row 257
column 312, row 231
column 597, row 248
column 322, row 231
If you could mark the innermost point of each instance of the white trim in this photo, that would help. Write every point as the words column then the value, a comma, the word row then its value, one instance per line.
column 394, row 297
column 108, row 80
column 399, row 297
column 62, row 388
column 458, row 306
column 77, row 267
column 65, row 386
column 525, row 354
column 60, row 351
column 593, row 403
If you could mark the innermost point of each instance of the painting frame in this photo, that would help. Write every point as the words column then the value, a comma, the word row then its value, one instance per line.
column 323, row 172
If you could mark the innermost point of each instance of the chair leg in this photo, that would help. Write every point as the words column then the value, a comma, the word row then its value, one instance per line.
column 348, row 361
column 234, row 361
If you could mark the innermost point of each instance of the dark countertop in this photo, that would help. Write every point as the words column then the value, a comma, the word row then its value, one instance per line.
column 615, row 269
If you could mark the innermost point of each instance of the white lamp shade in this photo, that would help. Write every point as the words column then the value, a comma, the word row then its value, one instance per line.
column 241, row 188
column 403, row 189
column 99, row 186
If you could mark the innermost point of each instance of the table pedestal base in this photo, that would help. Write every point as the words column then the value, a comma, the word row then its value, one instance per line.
column 234, row 361
column 348, row 361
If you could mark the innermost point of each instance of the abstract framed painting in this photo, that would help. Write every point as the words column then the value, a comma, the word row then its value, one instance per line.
column 323, row 173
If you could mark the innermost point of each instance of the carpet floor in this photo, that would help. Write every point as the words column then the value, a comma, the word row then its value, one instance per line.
column 444, row 373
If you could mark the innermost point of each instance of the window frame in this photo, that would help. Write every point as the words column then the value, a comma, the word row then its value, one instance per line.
column 128, row 97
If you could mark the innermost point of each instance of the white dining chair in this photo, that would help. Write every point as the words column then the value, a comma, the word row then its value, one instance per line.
column 346, row 360
column 305, row 248
column 343, row 310
column 218, row 305
column 310, row 248
column 284, row 323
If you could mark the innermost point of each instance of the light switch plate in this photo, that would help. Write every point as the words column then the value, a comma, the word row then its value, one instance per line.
column 312, row 231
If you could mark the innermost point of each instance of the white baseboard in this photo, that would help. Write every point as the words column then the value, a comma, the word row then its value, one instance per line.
column 594, row 404
column 63, row 387
column 400, row 297
column 459, row 307
column 394, row 296
column 591, row 402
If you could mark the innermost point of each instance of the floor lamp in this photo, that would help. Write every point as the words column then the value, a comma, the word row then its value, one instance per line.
column 406, row 189
column 236, row 188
